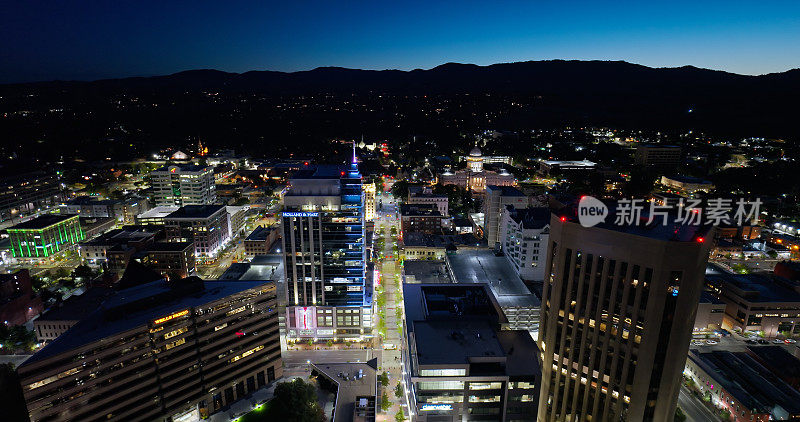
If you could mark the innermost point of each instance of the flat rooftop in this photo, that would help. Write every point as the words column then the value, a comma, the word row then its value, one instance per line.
column 442, row 342
column 531, row 218
column 778, row 357
column 459, row 324
column 582, row 163
column 261, row 233
column 185, row 167
column 168, row 246
column 41, row 222
column 419, row 239
column 121, row 236
column 419, row 210
column 748, row 381
column 424, row 271
column 483, row 266
column 262, row 267
column 506, row 190
column 158, row 212
column 77, row 307
column 349, row 390
column 322, row 171
column 137, row 306
column 759, row 287
column 196, row 211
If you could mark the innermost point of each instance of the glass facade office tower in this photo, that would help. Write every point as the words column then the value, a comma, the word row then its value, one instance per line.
column 323, row 244
column 618, row 309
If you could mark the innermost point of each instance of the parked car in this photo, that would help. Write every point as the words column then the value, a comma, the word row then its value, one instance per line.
column 777, row 341
column 762, row 341
column 790, row 340
column 711, row 342
column 750, row 341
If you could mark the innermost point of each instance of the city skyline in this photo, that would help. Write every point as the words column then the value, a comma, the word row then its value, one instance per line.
column 47, row 42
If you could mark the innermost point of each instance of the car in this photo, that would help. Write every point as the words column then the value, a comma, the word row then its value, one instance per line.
column 750, row 341
column 777, row 341
column 790, row 341
column 762, row 341
column 711, row 342
column 697, row 342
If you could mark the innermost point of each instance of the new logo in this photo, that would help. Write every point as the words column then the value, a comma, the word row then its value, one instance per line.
column 591, row 211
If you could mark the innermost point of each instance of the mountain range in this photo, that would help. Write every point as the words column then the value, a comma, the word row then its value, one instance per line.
column 597, row 92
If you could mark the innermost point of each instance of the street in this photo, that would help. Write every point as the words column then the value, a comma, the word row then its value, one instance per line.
column 390, row 279
column 694, row 410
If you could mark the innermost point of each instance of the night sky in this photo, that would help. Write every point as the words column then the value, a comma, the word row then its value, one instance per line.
column 63, row 39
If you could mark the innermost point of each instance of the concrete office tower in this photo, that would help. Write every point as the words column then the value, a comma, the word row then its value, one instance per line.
column 618, row 309
column 159, row 351
column 183, row 184
column 323, row 244
column 657, row 155
column 497, row 198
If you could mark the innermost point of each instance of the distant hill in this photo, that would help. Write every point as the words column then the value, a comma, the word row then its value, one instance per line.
column 520, row 77
column 612, row 92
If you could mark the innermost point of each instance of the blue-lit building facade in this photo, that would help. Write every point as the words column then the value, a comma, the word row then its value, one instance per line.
column 327, row 295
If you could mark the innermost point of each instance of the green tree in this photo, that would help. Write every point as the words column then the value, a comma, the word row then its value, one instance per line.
column 398, row 390
column 400, row 417
column 400, row 189
column 83, row 271
column 679, row 415
column 384, row 378
column 297, row 401
column 385, row 403
column 329, row 343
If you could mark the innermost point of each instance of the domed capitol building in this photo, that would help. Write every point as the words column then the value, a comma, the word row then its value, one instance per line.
column 474, row 177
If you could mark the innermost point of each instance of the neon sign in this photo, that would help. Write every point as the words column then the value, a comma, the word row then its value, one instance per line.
column 300, row 214
column 427, row 407
column 171, row 317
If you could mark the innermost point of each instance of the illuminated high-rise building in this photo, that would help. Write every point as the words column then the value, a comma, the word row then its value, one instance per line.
column 323, row 244
column 159, row 351
column 618, row 309
column 369, row 201
column 183, row 184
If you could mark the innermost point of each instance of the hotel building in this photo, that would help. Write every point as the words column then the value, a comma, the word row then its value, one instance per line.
column 618, row 309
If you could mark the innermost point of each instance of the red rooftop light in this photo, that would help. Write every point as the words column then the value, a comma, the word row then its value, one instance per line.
column 701, row 239
column 563, row 218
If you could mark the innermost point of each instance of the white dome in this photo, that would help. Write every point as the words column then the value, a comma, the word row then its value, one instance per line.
column 476, row 152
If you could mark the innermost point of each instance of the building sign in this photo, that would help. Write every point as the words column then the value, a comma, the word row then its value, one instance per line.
column 428, row 407
column 301, row 214
column 305, row 317
column 171, row 317
column 324, row 331
column 353, row 288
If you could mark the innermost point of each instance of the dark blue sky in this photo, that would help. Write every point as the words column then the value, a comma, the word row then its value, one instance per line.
column 64, row 39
